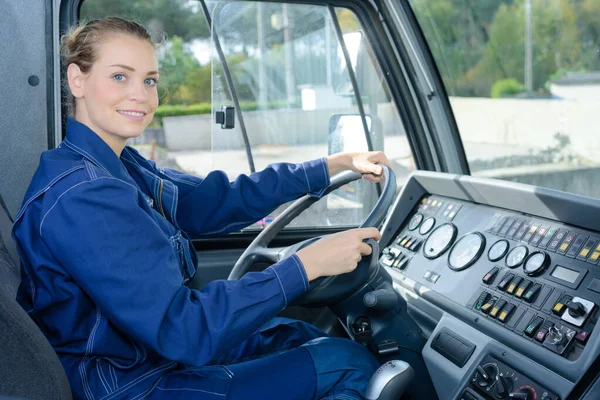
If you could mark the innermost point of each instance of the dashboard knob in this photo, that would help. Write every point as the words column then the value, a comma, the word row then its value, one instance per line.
column 556, row 336
column 486, row 376
column 504, row 386
column 523, row 394
column 576, row 309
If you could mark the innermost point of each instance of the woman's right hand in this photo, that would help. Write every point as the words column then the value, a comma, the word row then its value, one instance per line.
column 337, row 254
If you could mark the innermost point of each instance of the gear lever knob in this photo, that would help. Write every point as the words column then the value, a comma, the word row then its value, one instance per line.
column 390, row 381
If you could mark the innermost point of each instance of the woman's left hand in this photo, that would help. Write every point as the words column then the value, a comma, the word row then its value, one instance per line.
column 364, row 163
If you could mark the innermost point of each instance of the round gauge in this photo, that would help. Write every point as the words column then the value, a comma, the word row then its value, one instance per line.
column 415, row 221
column 536, row 263
column 516, row 256
column 439, row 241
column 498, row 250
column 466, row 251
column 427, row 226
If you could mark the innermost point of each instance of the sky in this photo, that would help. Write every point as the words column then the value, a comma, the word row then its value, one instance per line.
column 202, row 50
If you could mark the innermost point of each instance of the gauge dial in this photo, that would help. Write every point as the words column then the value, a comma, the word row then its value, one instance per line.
column 439, row 241
column 516, row 256
column 498, row 250
column 415, row 221
column 466, row 251
column 536, row 263
column 427, row 226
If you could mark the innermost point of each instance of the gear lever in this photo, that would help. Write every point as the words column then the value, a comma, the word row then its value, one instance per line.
column 390, row 381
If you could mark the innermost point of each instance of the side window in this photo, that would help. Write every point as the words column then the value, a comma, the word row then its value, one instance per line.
column 524, row 80
column 287, row 66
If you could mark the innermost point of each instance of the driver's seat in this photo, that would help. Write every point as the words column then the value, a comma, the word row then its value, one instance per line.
column 29, row 367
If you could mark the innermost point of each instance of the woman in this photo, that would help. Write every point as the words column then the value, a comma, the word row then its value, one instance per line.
column 103, row 235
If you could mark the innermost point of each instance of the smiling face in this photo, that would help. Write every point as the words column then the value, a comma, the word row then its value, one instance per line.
column 117, row 98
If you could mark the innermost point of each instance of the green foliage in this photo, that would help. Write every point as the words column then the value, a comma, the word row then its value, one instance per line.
column 179, row 110
column 477, row 43
column 160, row 16
column 506, row 88
column 177, row 63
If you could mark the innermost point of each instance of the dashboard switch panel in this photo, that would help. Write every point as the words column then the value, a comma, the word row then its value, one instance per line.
column 494, row 379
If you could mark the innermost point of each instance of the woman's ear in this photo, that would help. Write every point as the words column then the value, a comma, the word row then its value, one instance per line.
column 76, row 80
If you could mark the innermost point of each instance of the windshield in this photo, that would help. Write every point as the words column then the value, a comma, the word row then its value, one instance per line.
column 523, row 79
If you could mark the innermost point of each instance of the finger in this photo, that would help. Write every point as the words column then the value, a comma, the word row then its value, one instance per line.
column 372, row 178
column 375, row 169
column 380, row 157
column 365, row 249
column 366, row 233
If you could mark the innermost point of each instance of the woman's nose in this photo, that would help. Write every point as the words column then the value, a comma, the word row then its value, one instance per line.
column 139, row 93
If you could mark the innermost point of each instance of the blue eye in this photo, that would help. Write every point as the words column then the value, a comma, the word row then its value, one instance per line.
column 119, row 77
column 150, row 81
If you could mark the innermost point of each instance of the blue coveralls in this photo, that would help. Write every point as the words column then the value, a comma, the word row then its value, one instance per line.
column 106, row 256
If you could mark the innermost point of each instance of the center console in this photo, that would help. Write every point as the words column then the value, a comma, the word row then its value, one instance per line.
column 518, row 264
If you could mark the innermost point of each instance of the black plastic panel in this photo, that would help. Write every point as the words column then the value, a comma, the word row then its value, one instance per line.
column 453, row 347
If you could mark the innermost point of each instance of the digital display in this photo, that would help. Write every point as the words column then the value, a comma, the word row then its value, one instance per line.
column 565, row 274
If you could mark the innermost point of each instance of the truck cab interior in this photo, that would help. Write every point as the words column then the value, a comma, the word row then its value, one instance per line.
column 486, row 280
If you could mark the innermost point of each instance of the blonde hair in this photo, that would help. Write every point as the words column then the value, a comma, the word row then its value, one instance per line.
column 79, row 45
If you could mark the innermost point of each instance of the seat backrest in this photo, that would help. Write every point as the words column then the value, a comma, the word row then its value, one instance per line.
column 9, row 272
column 29, row 367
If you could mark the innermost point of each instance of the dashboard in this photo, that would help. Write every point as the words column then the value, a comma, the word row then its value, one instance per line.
column 513, row 273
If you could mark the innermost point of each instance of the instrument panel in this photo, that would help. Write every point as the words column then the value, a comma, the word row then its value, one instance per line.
column 528, row 281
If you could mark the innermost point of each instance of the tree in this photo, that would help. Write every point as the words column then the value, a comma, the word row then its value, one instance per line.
column 177, row 64
column 556, row 45
column 176, row 17
column 476, row 43
column 589, row 21
column 457, row 33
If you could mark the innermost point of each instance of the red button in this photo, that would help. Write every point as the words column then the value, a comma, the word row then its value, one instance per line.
column 540, row 335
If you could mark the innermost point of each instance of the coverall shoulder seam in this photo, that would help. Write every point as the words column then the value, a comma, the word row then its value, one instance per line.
column 73, row 187
column 46, row 188
column 84, row 153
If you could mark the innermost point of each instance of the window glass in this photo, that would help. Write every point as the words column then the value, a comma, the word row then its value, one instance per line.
column 293, row 83
column 524, row 81
column 288, row 70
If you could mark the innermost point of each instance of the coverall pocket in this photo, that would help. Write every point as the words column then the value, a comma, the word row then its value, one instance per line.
column 181, row 247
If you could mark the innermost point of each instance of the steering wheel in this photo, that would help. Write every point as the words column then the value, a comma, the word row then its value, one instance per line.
column 331, row 289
